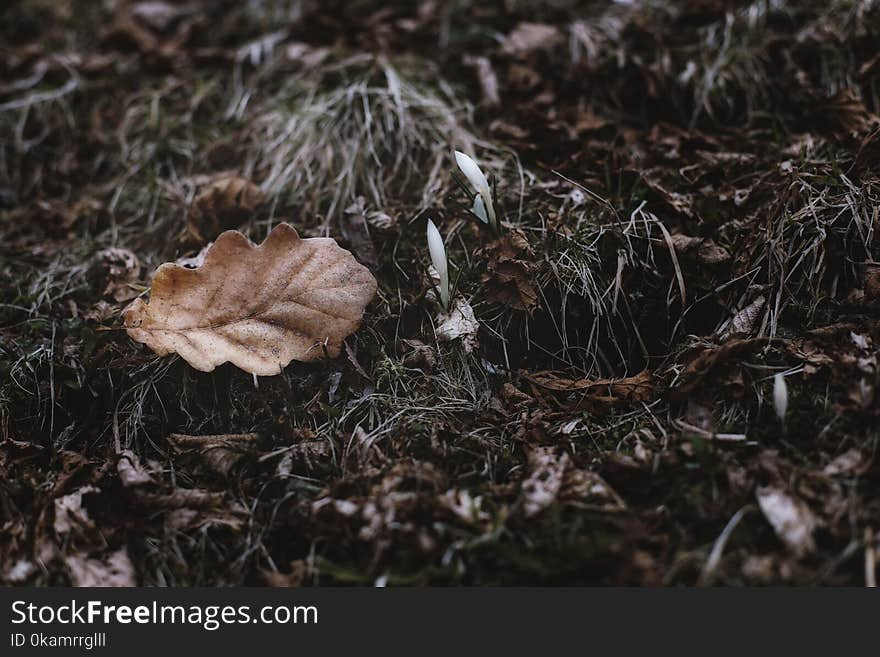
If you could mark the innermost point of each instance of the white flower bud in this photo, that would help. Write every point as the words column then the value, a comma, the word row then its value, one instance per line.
column 780, row 396
column 438, row 259
column 478, row 180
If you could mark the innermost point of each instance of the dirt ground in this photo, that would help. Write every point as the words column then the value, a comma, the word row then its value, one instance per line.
column 688, row 200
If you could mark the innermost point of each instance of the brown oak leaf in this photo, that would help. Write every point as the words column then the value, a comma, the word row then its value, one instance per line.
column 257, row 307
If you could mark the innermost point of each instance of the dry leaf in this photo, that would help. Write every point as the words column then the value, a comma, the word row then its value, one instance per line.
column 353, row 226
column 188, row 508
column 20, row 572
column 298, row 571
column 585, row 487
column 180, row 498
column 598, row 394
column 516, row 397
column 130, row 470
column 542, row 487
column 418, row 354
column 458, row 323
column 225, row 203
column 219, row 453
column 119, row 270
column 380, row 220
column 466, row 508
column 529, row 37
column 790, row 518
column 258, row 307
column 850, row 462
column 701, row 249
column 115, row 569
column 709, row 360
column 101, row 312
column 307, row 453
column 674, row 201
column 846, row 114
column 510, row 271
column 70, row 514
column 553, row 477
column 160, row 15
column 746, row 319
column 192, row 519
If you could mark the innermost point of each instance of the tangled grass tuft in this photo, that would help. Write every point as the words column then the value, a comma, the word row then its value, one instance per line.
column 362, row 126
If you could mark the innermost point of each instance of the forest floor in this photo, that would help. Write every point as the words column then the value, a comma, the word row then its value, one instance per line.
column 690, row 199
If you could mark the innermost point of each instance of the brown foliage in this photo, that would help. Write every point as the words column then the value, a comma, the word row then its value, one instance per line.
column 223, row 204
column 258, row 307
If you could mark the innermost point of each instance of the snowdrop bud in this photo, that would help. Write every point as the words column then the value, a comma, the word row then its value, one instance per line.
column 471, row 171
column 479, row 209
column 780, row 396
column 477, row 179
column 438, row 258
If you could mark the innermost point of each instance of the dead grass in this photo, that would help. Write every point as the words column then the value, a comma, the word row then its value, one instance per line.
column 363, row 126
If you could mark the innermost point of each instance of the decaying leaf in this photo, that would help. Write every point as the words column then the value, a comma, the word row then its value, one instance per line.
column 554, row 478
column 114, row 569
column 597, row 394
column 509, row 278
column 516, row 397
column 674, row 201
column 542, row 487
column 458, row 323
column 69, row 512
column 530, row 37
column 746, row 319
column 298, row 571
column 846, row 114
column 160, row 15
column 192, row 508
column 790, row 518
column 354, row 228
column 130, row 470
column 308, row 453
column 708, row 361
column 464, row 506
column 19, row 572
column 851, row 461
column 119, row 271
column 219, row 453
column 258, row 307
column 587, row 487
column 418, row 354
column 701, row 249
column 221, row 205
